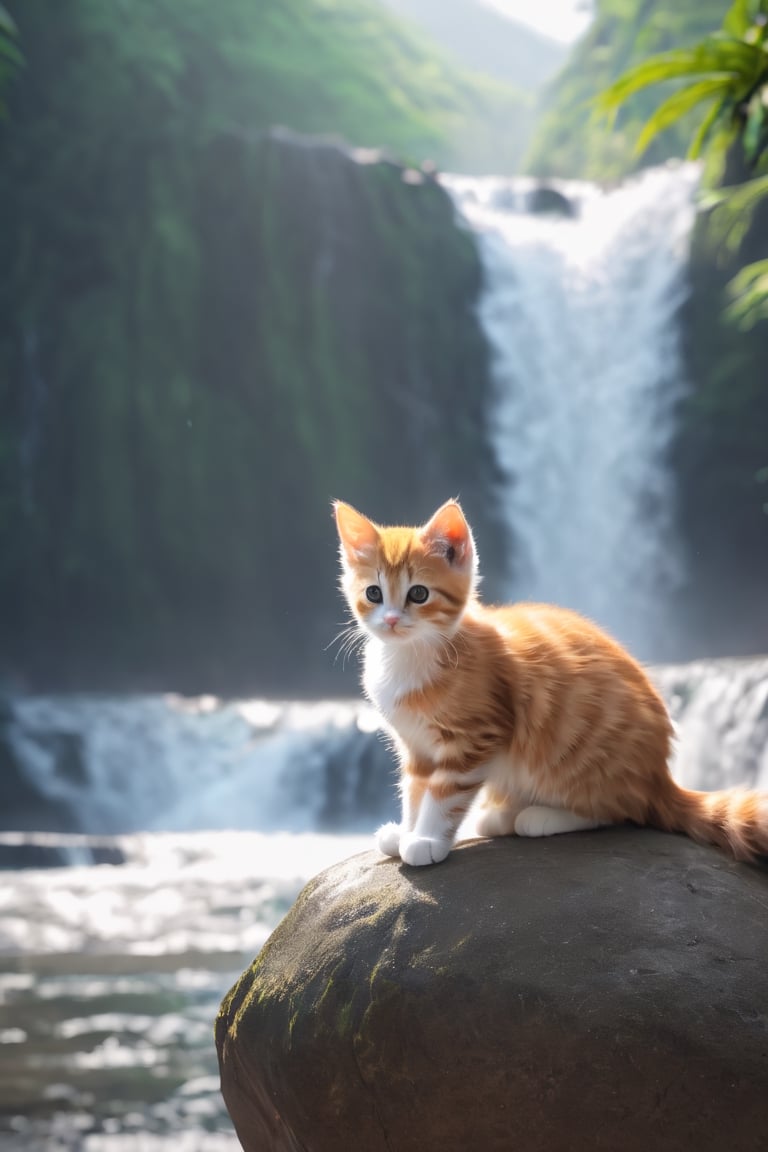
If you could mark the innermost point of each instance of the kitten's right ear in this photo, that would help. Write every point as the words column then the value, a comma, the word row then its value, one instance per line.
column 357, row 534
column 449, row 533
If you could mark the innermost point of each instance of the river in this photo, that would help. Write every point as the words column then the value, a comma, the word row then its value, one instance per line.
column 218, row 812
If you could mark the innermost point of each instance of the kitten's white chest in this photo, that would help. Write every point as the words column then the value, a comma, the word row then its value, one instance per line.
column 389, row 676
column 391, row 673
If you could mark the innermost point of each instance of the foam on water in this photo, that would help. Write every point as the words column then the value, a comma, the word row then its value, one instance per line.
column 121, row 764
column 107, row 1029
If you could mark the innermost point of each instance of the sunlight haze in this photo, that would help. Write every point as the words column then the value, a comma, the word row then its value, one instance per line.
column 563, row 20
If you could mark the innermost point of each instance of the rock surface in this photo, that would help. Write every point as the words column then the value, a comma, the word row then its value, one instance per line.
column 601, row 991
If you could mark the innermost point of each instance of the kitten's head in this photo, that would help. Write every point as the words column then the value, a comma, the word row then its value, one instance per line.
column 406, row 584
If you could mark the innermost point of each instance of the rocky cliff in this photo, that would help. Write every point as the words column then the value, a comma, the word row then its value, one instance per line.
column 186, row 405
column 209, row 327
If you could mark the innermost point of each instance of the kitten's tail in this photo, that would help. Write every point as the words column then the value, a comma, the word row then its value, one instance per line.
column 735, row 819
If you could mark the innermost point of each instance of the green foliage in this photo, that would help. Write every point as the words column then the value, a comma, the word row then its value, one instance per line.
column 208, row 327
column 736, row 205
column 749, row 295
column 568, row 141
column 728, row 71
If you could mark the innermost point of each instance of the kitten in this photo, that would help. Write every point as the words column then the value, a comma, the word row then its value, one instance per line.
column 531, row 705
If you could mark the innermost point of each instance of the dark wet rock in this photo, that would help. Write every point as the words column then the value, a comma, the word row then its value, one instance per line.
column 547, row 200
column 26, row 803
column 598, row 991
column 20, row 850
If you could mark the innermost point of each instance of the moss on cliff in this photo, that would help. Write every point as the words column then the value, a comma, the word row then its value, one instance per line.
column 209, row 328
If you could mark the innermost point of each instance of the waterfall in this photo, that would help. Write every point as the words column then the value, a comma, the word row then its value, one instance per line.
column 580, row 312
column 106, row 765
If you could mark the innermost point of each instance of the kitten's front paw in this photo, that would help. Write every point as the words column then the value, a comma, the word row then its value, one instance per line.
column 420, row 850
column 388, row 839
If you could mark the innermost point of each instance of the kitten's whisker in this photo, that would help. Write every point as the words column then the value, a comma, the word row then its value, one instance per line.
column 346, row 627
column 348, row 639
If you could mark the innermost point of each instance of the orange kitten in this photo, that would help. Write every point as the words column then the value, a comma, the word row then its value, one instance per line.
column 532, row 705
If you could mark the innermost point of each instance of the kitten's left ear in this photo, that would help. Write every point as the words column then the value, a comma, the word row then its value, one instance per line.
column 449, row 533
column 356, row 532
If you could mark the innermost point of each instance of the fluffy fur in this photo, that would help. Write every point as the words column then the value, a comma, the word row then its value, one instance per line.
column 531, row 706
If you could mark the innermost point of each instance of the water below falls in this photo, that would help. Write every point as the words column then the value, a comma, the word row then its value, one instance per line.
column 580, row 312
column 219, row 811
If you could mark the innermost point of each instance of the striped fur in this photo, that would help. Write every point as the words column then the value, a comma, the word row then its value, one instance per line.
column 531, row 707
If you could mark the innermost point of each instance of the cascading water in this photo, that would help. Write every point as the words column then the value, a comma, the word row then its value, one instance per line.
column 111, row 765
column 579, row 309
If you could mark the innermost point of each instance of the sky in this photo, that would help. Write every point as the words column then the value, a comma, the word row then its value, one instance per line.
column 563, row 20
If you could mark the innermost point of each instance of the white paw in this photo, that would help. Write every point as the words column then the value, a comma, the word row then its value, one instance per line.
column 418, row 850
column 388, row 839
column 531, row 822
column 495, row 822
column 538, row 820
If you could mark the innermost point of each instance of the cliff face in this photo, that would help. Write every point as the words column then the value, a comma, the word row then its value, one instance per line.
column 722, row 456
column 185, row 406
column 210, row 327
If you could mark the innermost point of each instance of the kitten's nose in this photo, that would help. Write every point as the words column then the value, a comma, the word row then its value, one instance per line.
column 391, row 618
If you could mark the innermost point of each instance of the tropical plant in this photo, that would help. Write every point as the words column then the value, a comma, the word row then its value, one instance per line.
column 727, row 74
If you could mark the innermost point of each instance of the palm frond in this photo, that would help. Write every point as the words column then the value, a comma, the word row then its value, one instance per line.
column 732, row 210
column 739, row 17
column 717, row 56
column 682, row 102
column 739, row 197
column 701, row 135
column 748, row 291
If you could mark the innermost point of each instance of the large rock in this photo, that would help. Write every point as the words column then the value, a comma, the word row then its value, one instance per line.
column 599, row 991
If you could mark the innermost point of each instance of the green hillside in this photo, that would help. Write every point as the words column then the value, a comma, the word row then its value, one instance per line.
column 339, row 67
column 567, row 142
column 208, row 329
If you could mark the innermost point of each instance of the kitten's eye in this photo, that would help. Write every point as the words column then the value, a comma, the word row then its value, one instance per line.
column 418, row 594
column 373, row 593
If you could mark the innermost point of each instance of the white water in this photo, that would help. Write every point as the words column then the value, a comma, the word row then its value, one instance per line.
column 111, row 976
column 165, row 763
column 580, row 315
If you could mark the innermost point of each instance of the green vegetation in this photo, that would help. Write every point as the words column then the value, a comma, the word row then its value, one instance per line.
column 728, row 71
column 568, row 142
column 209, row 328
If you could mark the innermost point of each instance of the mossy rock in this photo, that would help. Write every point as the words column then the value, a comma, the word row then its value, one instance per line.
column 599, row 991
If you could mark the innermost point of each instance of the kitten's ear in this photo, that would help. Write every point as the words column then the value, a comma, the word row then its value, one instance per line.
column 448, row 533
column 356, row 533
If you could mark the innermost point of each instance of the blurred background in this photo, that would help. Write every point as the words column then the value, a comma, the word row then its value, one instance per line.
column 259, row 254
